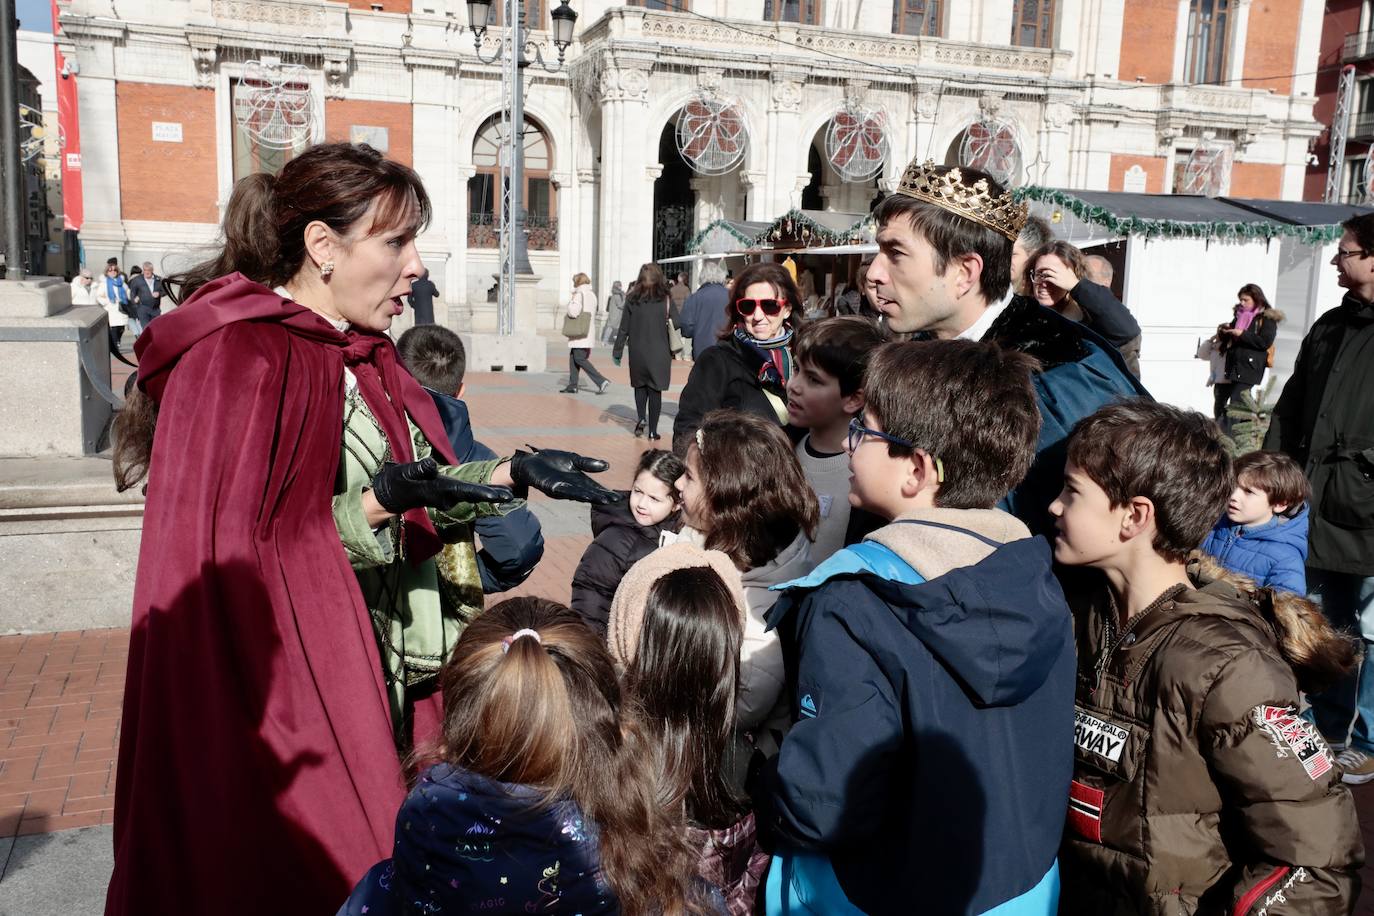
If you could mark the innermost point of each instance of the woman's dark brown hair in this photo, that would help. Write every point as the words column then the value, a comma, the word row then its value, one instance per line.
column 681, row 689
column 264, row 239
column 546, row 712
column 757, row 498
column 774, row 275
column 1256, row 295
column 1072, row 257
column 650, row 285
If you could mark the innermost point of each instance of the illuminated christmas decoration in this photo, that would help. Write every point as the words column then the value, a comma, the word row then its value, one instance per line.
column 712, row 135
column 990, row 145
column 856, row 143
column 275, row 105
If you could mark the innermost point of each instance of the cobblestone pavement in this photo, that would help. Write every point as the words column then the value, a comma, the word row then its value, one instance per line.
column 60, row 693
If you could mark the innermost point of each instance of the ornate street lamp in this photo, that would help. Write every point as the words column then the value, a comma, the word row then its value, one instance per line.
column 516, row 52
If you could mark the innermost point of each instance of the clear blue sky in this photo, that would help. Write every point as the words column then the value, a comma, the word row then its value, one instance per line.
column 35, row 15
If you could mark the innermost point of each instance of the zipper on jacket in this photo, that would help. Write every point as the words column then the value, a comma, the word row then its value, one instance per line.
column 1252, row 896
column 1112, row 641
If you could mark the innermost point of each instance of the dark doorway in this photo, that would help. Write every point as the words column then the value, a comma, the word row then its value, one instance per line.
column 674, row 200
column 811, row 195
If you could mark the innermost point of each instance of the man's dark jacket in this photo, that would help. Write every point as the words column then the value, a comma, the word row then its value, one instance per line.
column 1325, row 421
column 146, row 305
column 512, row 544
column 703, row 315
column 1079, row 373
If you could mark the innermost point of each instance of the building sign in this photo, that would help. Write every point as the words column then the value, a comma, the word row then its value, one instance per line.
column 379, row 138
column 1134, row 182
column 167, row 131
column 69, row 126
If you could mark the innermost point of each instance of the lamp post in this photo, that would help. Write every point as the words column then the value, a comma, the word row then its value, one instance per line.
column 514, row 51
column 13, row 186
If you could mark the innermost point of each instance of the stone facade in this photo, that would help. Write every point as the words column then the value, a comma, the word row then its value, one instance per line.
column 1105, row 107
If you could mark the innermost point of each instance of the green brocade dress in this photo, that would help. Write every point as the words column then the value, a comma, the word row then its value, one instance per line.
column 418, row 611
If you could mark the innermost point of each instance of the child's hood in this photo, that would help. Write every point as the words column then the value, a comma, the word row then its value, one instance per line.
column 989, row 607
column 1282, row 530
column 618, row 515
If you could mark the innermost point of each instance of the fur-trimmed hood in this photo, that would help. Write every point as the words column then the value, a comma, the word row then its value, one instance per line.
column 1318, row 654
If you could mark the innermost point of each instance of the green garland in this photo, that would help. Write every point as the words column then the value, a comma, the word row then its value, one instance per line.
column 1173, row 229
column 693, row 246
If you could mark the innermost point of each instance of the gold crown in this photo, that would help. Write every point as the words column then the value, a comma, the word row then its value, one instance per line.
column 946, row 189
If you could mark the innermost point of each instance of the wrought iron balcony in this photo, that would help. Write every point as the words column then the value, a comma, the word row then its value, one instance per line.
column 1358, row 46
column 541, row 232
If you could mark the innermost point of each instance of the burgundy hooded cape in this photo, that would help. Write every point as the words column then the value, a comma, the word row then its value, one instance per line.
column 257, row 769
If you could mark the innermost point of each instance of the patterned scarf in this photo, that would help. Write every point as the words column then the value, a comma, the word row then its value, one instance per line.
column 775, row 358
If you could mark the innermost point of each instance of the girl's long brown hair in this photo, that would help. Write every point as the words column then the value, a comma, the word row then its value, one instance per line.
column 649, row 285
column 757, row 498
column 681, row 688
column 264, row 239
column 547, row 713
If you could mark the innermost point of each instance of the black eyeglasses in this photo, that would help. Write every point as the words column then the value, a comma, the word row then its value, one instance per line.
column 746, row 307
column 857, row 431
column 1343, row 253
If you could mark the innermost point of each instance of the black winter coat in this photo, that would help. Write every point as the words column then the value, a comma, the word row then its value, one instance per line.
column 1109, row 317
column 1325, row 421
column 1248, row 354
column 726, row 375
column 619, row 542
column 644, row 325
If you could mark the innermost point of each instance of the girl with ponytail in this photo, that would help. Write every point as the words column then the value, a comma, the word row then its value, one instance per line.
column 305, row 549
column 542, row 799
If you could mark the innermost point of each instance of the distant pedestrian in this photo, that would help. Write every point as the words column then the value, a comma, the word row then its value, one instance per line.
column 145, row 292
column 644, row 326
column 1245, row 340
column 1057, row 277
column 615, row 306
column 704, row 313
column 679, row 293
column 578, row 320
column 113, row 294
column 423, row 292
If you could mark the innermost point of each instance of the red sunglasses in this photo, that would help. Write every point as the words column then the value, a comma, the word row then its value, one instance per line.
column 746, row 307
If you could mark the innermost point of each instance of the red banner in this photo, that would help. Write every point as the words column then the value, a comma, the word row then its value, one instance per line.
column 69, row 124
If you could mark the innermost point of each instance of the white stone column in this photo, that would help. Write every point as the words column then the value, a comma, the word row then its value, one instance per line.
column 627, row 193
column 1239, row 27
column 785, row 144
column 756, row 207
column 584, row 243
column 1052, row 170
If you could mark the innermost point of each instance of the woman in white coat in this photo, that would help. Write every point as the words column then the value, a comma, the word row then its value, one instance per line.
column 85, row 291
column 582, row 306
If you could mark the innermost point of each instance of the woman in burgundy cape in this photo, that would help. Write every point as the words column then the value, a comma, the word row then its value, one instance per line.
column 258, row 765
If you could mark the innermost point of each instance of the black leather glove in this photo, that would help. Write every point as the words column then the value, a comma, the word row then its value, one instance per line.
column 560, row 474
column 402, row 487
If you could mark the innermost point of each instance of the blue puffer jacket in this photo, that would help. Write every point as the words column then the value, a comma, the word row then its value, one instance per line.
column 468, row 844
column 1273, row 554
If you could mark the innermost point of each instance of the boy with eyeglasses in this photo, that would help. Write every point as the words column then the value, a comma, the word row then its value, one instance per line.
column 931, row 666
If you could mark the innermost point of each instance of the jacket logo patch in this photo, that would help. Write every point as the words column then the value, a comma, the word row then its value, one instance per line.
column 1098, row 736
column 1085, row 811
column 1290, row 733
column 808, row 707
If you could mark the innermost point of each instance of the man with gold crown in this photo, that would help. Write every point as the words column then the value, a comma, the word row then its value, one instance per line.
column 944, row 271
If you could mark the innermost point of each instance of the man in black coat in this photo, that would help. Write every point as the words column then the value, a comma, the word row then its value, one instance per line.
column 423, row 292
column 1325, row 421
column 145, row 293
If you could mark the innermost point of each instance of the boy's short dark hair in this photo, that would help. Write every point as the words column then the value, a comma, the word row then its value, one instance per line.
column 952, row 235
column 969, row 403
column 435, row 357
column 1175, row 458
column 1276, row 476
column 840, row 347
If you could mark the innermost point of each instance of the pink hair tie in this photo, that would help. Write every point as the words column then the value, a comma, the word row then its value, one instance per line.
column 533, row 634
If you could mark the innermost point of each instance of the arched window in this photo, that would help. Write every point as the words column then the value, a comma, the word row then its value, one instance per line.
column 806, row 12
column 484, row 202
column 916, row 17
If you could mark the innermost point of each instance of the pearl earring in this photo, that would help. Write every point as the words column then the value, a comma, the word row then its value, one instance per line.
column 326, row 269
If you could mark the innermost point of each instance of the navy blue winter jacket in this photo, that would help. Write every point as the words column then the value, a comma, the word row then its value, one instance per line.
column 932, row 751
column 1273, row 554
column 468, row 844
column 512, row 544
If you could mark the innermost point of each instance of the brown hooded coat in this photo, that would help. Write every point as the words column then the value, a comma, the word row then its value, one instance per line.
column 1197, row 787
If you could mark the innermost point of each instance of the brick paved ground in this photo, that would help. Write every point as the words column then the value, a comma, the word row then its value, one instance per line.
column 60, row 693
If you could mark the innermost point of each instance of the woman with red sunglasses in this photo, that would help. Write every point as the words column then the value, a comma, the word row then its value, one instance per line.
column 749, row 368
